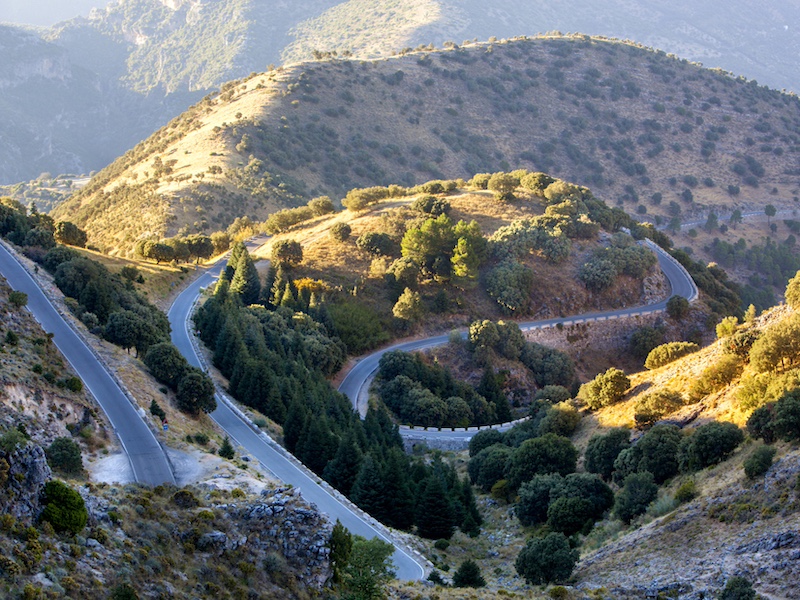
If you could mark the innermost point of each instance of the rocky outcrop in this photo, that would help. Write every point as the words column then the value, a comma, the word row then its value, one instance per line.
column 285, row 523
column 23, row 474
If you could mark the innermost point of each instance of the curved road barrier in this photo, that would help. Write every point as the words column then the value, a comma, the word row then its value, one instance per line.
column 357, row 381
column 276, row 459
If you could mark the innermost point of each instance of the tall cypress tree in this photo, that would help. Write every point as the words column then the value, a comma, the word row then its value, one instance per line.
column 434, row 510
column 400, row 509
column 489, row 388
column 245, row 281
column 367, row 491
column 294, row 424
column 342, row 471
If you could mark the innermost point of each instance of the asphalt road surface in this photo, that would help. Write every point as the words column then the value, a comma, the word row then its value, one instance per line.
column 266, row 451
column 147, row 458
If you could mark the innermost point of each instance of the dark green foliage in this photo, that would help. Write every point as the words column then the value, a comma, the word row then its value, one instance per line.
column 358, row 326
column 468, row 575
column 245, row 282
column 64, row 508
column 597, row 275
column 535, row 496
column 546, row 560
column 286, row 253
column 603, row 450
column 340, row 231
column 656, row 452
column 510, row 283
column 196, row 393
column 549, row 453
column 70, row 234
column 226, row 449
column 569, row 515
column 677, row 307
column 638, row 491
column 341, row 545
column 368, row 569
column 431, row 205
column 484, row 439
column 666, row 353
column 64, row 455
column 377, row 244
column 341, row 472
column 553, row 394
column 17, row 299
column 645, row 339
column 561, row 419
column 489, row 466
column 548, row 365
column 428, row 395
column 787, row 416
column 435, row 516
column 737, row 588
column 723, row 294
column 157, row 411
column 708, row 445
column 759, row 461
column 123, row 592
column 166, row 363
column 431, row 246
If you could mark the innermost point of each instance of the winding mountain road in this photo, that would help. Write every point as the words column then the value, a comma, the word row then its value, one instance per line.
column 274, row 458
column 355, row 384
column 146, row 455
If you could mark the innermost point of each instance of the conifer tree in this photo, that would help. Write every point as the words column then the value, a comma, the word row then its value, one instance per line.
column 489, row 388
column 342, row 471
column 341, row 544
column 245, row 281
column 434, row 510
column 226, row 449
column 399, row 511
column 367, row 491
column 294, row 425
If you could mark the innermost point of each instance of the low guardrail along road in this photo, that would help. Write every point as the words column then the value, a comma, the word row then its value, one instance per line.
column 274, row 458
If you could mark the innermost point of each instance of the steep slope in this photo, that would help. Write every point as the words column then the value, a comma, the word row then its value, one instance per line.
column 645, row 131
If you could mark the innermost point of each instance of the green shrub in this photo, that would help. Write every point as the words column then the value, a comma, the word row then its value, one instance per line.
column 677, row 307
column 708, row 445
column 441, row 544
column 603, row 450
column 468, row 575
column 716, row 377
column 17, row 299
column 605, row 389
column 759, row 461
column 687, row 491
column 340, row 231
column 638, row 491
column 64, row 455
column 666, row 353
column 737, row 588
column 654, row 406
column 64, row 508
column 545, row 560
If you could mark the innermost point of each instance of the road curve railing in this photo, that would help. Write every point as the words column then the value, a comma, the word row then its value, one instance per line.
column 356, row 383
column 409, row 564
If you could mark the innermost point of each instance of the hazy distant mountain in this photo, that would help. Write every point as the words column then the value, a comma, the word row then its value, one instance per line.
column 93, row 86
column 45, row 13
column 760, row 40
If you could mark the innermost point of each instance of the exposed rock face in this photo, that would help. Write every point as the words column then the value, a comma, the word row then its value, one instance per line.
column 285, row 523
column 23, row 474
